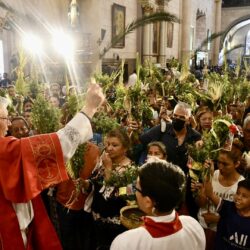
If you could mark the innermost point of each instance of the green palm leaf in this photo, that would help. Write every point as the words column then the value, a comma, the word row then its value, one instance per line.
column 155, row 17
column 209, row 39
column 6, row 7
column 233, row 48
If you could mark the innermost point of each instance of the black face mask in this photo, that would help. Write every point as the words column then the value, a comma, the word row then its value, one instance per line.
column 178, row 124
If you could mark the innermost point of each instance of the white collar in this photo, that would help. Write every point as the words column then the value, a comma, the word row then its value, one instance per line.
column 164, row 218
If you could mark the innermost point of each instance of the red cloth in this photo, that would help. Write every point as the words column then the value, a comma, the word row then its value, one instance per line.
column 27, row 166
column 162, row 229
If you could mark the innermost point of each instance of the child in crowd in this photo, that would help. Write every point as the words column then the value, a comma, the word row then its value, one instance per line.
column 160, row 188
column 224, row 181
column 233, row 230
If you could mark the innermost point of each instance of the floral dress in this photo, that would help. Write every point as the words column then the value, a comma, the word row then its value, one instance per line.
column 106, row 208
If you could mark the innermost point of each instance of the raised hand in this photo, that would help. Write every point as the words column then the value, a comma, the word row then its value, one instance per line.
column 94, row 99
column 106, row 160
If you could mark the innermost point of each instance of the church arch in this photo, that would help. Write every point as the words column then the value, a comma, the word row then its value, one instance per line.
column 234, row 39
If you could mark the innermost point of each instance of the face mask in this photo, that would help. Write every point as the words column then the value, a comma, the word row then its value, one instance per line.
column 178, row 124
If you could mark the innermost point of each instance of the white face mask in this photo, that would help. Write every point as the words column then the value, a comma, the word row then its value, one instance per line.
column 152, row 158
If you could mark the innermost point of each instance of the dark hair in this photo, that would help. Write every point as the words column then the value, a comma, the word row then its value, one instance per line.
column 245, row 184
column 122, row 135
column 27, row 99
column 20, row 118
column 11, row 86
column 173, row 100
column 164, row 183
column 236, row 154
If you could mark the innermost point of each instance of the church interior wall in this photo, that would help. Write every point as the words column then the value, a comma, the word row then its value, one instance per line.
column 238, row 38
column 97, row 14
column 129, row 51
column 208, row 9
column 229, row 15
column 174, row 7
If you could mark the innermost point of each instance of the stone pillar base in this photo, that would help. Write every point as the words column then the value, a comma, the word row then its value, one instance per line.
column 185, row 56
column 162, row 60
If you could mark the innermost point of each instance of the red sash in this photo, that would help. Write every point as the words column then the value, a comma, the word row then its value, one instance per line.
column 42, row 234
column 162, row 229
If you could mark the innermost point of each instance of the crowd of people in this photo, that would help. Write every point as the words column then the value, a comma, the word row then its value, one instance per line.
column 49, row 209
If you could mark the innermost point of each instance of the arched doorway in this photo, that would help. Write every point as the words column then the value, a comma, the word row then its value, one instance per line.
column 1, row 58
column 236, row 41
column 247, row 47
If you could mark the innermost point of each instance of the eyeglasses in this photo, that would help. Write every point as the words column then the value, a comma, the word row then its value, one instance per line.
column 5, row 118
column 137, row 189
column 22, row 129
column 181, row 117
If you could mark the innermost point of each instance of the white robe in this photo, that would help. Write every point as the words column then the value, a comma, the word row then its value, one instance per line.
column 190, row 237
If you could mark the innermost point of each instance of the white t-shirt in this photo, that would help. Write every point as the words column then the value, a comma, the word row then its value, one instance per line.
column 226, row 193
column 191, row 236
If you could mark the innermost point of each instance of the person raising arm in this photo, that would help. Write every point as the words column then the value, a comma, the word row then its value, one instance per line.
column 30, row 165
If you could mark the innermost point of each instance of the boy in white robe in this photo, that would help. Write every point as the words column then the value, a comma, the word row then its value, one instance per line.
column 160, row 188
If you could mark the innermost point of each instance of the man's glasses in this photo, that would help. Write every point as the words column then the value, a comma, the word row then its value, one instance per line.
column 181, row 117
column 137, row 189
column 5, row 118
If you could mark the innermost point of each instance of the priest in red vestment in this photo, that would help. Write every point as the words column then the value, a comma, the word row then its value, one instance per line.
column 29, row 165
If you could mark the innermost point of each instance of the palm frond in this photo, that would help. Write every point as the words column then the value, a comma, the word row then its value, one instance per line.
column 155, row 17
column 209, row 39
column 121, row 72
column 238, row 66
column 247, row 68
column 226, row 52
column 6, row 7
column 138, row 69
column 215, row 90
column 185, row 69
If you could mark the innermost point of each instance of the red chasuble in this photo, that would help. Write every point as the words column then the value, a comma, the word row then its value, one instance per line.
column 27, row 166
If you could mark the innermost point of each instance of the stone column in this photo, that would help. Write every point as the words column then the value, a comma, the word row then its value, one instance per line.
column 216, row 45
column 185, row 29
column 147, row 38
column 162, row 51
column 8, row 49
column 162, row 42
column 91, row 29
